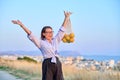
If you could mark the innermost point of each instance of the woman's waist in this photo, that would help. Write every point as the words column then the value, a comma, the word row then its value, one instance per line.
column 49, row 56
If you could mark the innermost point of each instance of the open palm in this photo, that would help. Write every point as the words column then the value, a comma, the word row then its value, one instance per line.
column 17, row 22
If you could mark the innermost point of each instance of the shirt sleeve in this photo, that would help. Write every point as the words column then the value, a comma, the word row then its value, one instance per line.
column 34, row 39
column 60, row 35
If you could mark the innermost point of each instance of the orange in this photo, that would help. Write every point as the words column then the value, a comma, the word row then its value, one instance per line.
column 64, row 40
column 65, row 35
column 71, row 39
column 71, row 35
column 67, row 38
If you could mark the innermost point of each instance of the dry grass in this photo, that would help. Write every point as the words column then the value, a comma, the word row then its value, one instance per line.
column 72, row 73
column 23, row 69
column 32, row 71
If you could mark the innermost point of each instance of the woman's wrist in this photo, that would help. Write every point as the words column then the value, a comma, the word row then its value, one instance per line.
column 21, row 25
column 67, row 18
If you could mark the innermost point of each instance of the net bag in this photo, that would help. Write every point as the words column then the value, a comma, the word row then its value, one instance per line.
column 69, row 35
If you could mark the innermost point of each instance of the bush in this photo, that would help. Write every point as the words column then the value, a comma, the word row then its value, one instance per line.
column 27, row 59
column 117, row 67
column 19, row 58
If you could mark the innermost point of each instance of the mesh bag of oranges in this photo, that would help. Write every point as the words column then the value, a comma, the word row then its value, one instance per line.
column 69, row 35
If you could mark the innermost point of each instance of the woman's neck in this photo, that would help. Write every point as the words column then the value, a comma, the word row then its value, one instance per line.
column 49, row 40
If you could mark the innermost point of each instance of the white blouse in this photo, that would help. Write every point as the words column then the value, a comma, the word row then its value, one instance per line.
column 49, row 50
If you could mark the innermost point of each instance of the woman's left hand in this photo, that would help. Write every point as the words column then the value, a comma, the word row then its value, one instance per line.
column 67, row 14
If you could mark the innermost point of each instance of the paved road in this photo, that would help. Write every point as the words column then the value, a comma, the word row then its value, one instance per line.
column 6, row 76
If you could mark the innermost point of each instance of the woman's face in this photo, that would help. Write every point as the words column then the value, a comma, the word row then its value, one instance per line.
column 48, row 33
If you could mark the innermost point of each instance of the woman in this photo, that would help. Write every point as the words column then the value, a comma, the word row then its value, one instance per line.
column 51, row 66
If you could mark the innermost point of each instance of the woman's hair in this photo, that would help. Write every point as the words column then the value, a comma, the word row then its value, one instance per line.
column 43, row 31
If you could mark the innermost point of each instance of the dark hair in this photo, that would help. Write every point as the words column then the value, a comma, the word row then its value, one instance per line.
column 43, row 31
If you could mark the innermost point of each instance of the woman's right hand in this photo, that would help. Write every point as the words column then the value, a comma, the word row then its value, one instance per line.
column 22, row 26
column 17, row 22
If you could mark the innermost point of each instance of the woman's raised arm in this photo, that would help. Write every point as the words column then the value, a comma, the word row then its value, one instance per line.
column 22, row 26
column 66, row 19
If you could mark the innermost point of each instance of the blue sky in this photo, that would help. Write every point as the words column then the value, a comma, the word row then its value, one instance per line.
column 96, row 24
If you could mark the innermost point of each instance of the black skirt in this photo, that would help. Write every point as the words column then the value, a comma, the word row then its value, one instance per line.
column 52, row 71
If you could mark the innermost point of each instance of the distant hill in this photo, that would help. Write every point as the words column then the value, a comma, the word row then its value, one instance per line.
column 32, row 53
column 35, row 53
